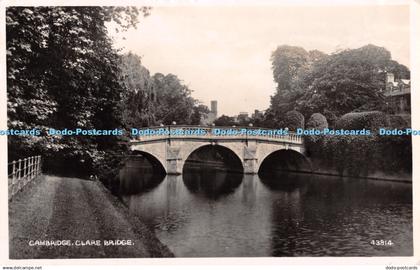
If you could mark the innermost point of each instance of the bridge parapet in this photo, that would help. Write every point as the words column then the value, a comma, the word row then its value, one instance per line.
column 216, row 133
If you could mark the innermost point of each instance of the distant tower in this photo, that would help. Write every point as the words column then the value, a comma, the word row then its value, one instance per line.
column 214, row 108
column 211, row 115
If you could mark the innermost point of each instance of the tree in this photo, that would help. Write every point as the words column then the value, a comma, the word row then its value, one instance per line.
column 347, row 81
column 136, row 78
column 151, row 100
column 138, row 103
column 257, row 119
column 64, row 73
column 174, row 101
column 290, row 66
column 286, row 63
column 199, row 111
column 225, row 120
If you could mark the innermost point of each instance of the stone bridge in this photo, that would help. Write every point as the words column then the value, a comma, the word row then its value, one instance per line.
column 172, row 145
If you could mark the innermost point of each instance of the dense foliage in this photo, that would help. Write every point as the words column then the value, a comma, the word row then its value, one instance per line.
column 200, row 111
column 138, row 98
column 335, row 84
column 225, row 120
column 317, row 121
column 64, row 73
column 293, row 120
column 158, row 99
column 364, row 120
column 363, row 155
column 347, row 87
column 174, row 101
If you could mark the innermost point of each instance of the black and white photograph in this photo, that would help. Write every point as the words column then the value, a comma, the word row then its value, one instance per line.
column 209, row 130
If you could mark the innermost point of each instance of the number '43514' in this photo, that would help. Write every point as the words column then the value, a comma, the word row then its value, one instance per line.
column 381, row 242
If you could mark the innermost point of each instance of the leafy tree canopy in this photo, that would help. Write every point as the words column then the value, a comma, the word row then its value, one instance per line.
column 64, row 73
column 225, row 120
column 157, row 99
column 334, row 84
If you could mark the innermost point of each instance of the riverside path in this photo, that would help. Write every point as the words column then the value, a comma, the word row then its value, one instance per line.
column 57, row 208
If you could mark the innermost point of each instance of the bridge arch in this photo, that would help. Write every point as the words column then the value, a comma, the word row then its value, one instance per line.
column 157, row 164
column 227, row 155
column 284, row 159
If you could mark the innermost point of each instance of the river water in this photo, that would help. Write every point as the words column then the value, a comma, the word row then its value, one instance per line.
column 208, row 213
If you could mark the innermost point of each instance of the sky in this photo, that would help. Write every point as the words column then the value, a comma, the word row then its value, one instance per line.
column 223, row 52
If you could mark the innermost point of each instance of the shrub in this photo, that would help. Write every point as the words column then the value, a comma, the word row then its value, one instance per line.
column 396, row 121
column 372, row 120
column 394, row 154
column 317, row 121
column 331, row 118
column 361, row 155
column 294, row 120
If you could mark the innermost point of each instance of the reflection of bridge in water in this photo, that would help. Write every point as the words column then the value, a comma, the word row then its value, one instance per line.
column 171, row 150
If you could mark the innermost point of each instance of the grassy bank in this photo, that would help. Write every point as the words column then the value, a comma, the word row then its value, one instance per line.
column 57, row 208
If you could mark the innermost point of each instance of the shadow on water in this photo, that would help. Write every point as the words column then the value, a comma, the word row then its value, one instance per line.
column 284, row 181
column 138, row 176
column 213, row 157
column 211, row 183
column 212, row 171
column 285, row 161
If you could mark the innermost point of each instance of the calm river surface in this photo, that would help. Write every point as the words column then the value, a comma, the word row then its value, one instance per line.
column 207, row 213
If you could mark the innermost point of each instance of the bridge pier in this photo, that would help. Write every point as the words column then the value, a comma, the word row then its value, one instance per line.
column 174, row 164
column 173, row 167
column 250, row 166
column 250, row 159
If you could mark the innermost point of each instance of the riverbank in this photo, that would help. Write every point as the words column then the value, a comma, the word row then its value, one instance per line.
column 402, row 178
column 319, row 169
column 378, row 176
column 82, row 213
